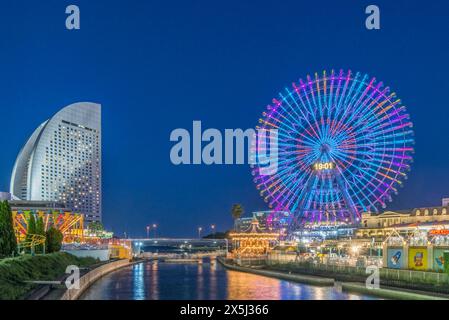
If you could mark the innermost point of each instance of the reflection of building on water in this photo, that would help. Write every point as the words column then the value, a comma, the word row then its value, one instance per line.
column 139, row 281
column 246, row 286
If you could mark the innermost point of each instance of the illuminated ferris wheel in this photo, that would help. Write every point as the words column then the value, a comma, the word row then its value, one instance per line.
column 345, row 143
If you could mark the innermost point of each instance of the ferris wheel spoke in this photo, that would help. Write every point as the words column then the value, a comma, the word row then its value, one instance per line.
column 373, row 162
column 347, row 98
column 363, row 98
column 381, row 133
column 300, row 193
column 349, row 121
column 309, row 104
column 356, row 193
column 365, row 178
column 378, row 113
column 304, row 116
column 338, row 103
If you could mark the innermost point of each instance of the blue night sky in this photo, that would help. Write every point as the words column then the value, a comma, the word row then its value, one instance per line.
column 158, row 65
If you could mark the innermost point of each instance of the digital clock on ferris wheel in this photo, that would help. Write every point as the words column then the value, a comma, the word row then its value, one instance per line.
column 320, row 166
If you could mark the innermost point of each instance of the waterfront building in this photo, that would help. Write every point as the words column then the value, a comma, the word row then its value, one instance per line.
column 61, row 161
column 270, row 220
column 380, row 226
column 322, row 232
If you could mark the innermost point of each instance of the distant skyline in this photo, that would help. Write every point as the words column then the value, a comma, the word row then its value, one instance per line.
column 155, row 66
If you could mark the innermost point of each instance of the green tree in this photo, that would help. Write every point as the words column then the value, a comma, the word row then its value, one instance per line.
column 31, row 229
column 217, row 235
column 8, row 241
column 53, row 240
column 40, row 229
column 236, row 212
column 95, row 227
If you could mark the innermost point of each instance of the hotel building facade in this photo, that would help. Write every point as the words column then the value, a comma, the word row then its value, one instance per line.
column 61, row 161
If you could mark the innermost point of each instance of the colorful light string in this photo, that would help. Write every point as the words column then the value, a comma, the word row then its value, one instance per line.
column 353, row 125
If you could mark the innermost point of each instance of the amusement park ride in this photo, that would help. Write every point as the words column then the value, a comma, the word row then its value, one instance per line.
column 253, row 241
column 345, row 145
column 70, row 224
column 32, row 241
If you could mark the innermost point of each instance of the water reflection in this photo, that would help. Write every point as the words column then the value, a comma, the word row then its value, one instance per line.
column 153, row 279
column 138, row 282
column 243, row 286
column 200, row 282
column 208, row 281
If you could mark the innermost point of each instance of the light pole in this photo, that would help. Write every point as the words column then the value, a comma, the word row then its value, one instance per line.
column 154, row 228
column 199, row 232
column 213, row 230
column 148, row 232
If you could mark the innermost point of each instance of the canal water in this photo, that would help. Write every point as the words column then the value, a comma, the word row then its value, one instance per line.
column 207, row 281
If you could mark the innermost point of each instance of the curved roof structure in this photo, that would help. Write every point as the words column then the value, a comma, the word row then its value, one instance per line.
column 61, row 161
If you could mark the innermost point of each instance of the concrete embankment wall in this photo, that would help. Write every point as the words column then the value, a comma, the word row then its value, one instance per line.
column 387, row 293
column 89, row 278
column 346, row 286
column 102, row 255
column 317, row 281
column 406, row 279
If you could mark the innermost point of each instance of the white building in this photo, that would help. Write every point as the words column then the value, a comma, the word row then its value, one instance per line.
column 61, row 161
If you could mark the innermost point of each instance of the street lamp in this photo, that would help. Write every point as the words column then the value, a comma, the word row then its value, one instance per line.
column 138, row 247
column 213, row 230
column 199, row 232
column 154, row 228
column 148, row 232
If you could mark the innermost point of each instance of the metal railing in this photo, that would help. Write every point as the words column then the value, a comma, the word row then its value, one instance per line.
column 412, row 278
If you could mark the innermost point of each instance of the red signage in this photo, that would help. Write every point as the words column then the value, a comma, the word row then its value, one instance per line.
column 439, row 232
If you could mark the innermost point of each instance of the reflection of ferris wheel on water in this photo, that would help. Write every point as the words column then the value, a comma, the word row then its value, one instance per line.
column 344, row 146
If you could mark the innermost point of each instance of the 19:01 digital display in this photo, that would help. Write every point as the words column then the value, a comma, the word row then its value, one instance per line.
column 318, row 166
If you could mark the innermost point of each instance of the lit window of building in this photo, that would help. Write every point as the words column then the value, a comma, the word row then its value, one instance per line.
column 61, row 161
